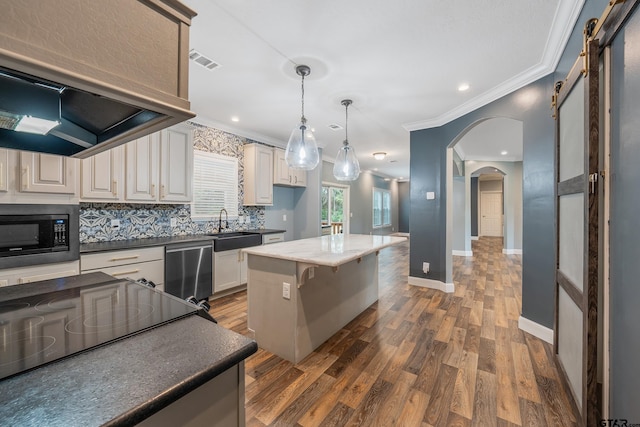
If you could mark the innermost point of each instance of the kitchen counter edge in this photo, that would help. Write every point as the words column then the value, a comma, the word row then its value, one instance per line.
column 116, row 245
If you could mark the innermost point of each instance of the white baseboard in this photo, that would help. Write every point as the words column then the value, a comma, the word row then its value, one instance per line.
column 475, row 238
column 512, row 251
column 536, row 329
column 432, row 284
column 462, row 253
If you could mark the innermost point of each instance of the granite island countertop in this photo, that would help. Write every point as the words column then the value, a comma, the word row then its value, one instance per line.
column 117, row 245
column 332, row 251
column 122, row 382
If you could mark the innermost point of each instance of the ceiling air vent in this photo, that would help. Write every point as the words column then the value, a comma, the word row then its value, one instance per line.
column 335, row 127
column 200, row 59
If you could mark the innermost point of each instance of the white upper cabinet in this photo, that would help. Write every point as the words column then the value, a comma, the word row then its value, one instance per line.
column 160, row 167
column 258, row 175
column 176, row 165
column 142, row 168
column 283, row 175
column 48, row 173
column 103, row 176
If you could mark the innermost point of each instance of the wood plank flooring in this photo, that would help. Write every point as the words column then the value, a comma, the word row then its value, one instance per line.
column 417, row 357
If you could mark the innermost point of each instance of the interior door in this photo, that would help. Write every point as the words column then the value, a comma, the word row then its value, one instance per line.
column 491, row 214
column 577, row 130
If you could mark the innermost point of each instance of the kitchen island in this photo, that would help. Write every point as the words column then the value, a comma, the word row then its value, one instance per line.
column 302, row 292
column 92, row 350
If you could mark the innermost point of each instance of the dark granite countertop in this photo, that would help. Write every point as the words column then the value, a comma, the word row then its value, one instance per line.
column 123, row 382
column 117, row 245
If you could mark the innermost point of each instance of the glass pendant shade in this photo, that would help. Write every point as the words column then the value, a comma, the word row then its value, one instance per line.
column 302, row 150
column 346, row 166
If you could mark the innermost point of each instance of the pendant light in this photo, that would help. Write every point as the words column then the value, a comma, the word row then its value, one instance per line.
column 302, row 151
column 346, row 166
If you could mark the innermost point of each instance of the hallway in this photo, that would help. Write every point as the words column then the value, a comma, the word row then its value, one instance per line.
column 417, row 357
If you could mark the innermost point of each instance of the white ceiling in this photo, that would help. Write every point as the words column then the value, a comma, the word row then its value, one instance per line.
column 401, row 63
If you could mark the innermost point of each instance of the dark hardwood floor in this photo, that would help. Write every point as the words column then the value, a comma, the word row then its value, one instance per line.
column 417, row 357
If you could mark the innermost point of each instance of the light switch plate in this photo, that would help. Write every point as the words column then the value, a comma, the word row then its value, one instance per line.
column 174, row 222
column 115, row 224
column 431, row 195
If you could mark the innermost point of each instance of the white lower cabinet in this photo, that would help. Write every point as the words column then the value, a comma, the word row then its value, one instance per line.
column 18, row 276
column 230, row 269
column 142, row 263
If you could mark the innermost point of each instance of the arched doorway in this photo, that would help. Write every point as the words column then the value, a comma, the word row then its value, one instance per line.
column 492, row 148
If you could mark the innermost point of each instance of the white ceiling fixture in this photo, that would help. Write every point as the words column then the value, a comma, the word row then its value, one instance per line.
column 260, row 43
column 380, row 155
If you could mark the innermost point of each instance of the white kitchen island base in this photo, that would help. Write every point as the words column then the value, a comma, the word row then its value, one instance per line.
column 322, row 298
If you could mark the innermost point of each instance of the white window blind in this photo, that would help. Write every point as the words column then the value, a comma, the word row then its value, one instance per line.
column 215, row 185
column 381, row 207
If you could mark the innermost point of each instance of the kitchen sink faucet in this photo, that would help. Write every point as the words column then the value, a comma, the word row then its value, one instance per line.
column 226, row 219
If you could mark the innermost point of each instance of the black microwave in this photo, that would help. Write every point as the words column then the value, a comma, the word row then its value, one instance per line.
column 38, row 234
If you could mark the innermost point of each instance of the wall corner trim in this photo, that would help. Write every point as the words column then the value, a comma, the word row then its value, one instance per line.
column 512, row 251
column 536, row 329
column 462, row 253
column 432, row 284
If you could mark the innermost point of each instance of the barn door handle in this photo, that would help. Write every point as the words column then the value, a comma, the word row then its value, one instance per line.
column 593, row 179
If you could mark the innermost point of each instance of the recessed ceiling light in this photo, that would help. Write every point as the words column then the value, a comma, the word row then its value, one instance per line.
column 375, row 169
column 379, row 155
column 387, row 179
column 463, row 87
column 235, row 119
column 401, row 177
column 503, row 152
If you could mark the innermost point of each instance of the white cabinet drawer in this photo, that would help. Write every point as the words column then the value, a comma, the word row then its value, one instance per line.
column 104, row 260
column 150, row 270
column 272, row 238
column 17, row 276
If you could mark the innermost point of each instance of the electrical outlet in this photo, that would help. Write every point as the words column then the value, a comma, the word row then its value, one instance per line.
column 284, row 217
column 115, row 224
column 425, row 267
column 286, row 290
column 174, row 222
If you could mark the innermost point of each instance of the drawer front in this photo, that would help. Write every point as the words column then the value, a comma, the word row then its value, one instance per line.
column 103, row 260
column 150, row 270
column 272, row 238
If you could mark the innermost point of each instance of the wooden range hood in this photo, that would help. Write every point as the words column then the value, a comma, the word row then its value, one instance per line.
column 120, row 68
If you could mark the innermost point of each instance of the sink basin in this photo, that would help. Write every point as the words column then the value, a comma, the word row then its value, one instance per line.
column 235, row 240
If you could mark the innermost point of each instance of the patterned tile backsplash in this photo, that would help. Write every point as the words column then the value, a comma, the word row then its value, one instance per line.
column 143, row 221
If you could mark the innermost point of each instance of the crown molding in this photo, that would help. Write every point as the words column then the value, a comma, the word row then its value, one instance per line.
column 567, row 12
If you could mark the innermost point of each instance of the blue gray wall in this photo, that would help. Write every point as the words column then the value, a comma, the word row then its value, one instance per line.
column 282, row 206
column 428, row 173
column 474, row 206
column 404, row 206
column 625, row 233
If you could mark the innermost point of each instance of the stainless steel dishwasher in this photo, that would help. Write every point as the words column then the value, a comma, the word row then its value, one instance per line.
column 188, row 270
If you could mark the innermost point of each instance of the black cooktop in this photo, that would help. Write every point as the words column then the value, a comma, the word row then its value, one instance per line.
column 45, row 321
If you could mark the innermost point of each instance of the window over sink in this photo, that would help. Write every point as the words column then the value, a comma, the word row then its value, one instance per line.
column 215, row 186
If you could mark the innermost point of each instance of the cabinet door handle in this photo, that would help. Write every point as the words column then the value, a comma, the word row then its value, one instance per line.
column 1, row 173
column 25, row 176
column 114, row 188
column 122, row 273
column 153, row 190
column 123, row 258
column 289, row 179
column 162, row 195
column 296, row 181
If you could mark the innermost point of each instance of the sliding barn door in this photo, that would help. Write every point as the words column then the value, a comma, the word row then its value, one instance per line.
column 576, row 302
